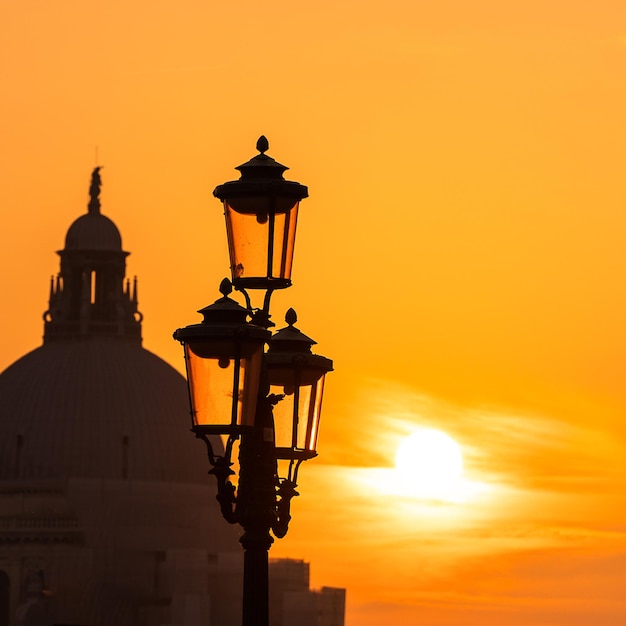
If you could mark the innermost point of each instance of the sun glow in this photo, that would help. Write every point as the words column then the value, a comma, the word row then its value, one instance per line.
column 429, row 464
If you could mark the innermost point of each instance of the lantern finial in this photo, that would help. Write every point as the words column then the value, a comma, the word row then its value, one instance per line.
column 226, row 287
column 262, row 144
column 291, row 317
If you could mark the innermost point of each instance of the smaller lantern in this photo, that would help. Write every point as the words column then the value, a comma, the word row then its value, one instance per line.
column 223, row 356
column 296, row 376
column 261, row 210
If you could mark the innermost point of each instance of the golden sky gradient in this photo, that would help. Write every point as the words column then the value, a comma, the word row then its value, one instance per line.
column 461, row 258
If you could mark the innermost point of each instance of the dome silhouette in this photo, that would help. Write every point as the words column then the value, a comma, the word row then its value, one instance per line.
column 91, row 402
column 93, row 231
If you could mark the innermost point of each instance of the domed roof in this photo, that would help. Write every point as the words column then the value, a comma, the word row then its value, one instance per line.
column 93, row 231
column 97, row 409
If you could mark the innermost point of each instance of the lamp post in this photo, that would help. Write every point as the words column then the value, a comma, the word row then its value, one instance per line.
column 267, row 400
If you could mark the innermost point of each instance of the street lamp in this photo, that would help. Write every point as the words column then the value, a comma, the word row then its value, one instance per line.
column 261, row 210
column 269, row 401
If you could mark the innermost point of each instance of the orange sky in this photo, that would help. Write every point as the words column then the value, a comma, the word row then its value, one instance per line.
column 461, row 258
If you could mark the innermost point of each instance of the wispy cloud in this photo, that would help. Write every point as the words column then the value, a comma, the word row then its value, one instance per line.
column 522, row 450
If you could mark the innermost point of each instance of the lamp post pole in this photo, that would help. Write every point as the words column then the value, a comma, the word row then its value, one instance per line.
column 257, row 495
column 268, row 401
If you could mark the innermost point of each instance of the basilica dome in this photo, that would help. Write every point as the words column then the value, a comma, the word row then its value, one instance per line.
column 91, row 402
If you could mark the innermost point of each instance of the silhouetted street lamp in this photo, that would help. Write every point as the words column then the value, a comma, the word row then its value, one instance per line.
column 270, row 401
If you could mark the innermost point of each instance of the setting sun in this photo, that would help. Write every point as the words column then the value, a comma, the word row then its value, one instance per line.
column 429, row 464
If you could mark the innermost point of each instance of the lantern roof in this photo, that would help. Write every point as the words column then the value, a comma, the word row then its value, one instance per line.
column 262, row 164
column 224, row 309
column 261, row 175
column 290, row 338
column 224, row 318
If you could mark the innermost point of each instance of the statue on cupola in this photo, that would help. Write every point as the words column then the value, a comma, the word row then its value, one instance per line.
column 91, row 296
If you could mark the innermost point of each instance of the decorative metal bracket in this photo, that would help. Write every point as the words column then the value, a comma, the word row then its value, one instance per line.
column 285, row 492
column 221, row 469
column 232, row 509
column 259, row 317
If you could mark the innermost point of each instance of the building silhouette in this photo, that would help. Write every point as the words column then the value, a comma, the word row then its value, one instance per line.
column 107, row 516
column 293, row 602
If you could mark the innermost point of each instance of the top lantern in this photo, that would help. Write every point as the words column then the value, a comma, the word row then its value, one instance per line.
column 261, row 210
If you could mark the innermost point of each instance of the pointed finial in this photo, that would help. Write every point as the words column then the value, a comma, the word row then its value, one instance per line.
column 262, row 145
column 226, row 287
column 291, row 317
column 94, row 191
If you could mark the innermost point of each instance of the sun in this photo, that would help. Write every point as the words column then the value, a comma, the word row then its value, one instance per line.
column 429, row 464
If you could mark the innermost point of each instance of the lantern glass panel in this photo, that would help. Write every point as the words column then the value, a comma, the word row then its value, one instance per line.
column 261, row 237
column 251, row 374
column 223, row 390
column 297, row 415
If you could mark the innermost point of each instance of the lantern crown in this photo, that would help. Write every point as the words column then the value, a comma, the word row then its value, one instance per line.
column 261, row 175
column 224, row 318
column 291, row 339
column 262, row 165
column 290, row 347
column 224, row 309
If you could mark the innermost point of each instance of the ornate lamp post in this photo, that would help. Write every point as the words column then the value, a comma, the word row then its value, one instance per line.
column 270, row 401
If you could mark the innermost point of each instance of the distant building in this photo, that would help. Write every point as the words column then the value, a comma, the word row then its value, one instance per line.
column 107, row 516
column 292, row 601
